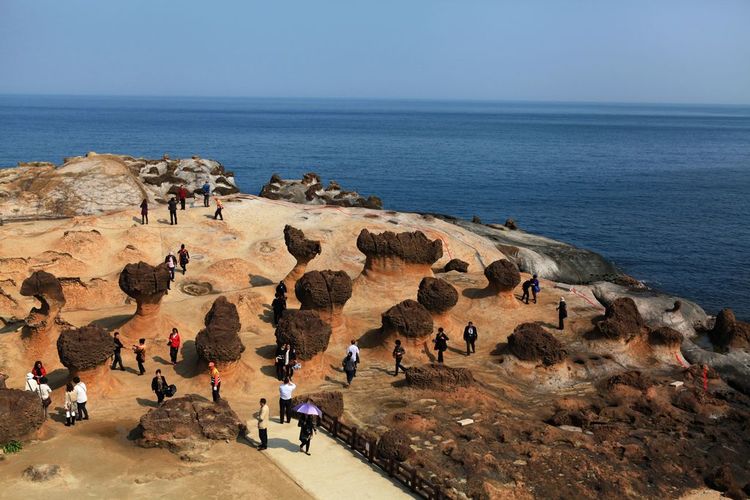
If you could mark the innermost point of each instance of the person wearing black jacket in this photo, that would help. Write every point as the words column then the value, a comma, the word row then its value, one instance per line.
column 159, row 386
column 441, row 344
column 282, row 359
column 279, row 306
column 470, row 336
column 281, row 289
column 562, row 313
column 116, row 357
column 172, row 205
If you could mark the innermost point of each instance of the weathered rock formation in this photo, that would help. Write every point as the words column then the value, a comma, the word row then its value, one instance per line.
column 395, row 445
column 45, row 288
column 325, row 292
column 310, row 191
column 302, row 249
column 85, row 348
column 305, row 332
column 438, row 377
column 220, row 340
column 437, row 295
column 408, row 319
column 665, row 336
column 147, row 285
column 530, row 342
column 622, row 321
column 390, row 251
column 503, row 277
column 21, row 414
column 729, row 332
column 187, row 425
column 457, row 265
column 330, row 402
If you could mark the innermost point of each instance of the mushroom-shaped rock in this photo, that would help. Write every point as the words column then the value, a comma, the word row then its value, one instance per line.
column 622, row 321
column 187, row 425
column 727, row 331
column 84, row 348
column 408, row 319
column 323, row 290
column 330, row 402
column 305, row 332
column 301, row 248
column 665, row 336
column 220, row 340
column 530, row 342
column 438, row 377
column 457, row 265
column 412, row 248
column 145, row 283
column 437, row 295
column 20, row 414
column 47, row 289
column 503, row 276
column 395, row 444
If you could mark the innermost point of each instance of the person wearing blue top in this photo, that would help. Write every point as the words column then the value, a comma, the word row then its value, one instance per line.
column 206, row 194
column 534, row 287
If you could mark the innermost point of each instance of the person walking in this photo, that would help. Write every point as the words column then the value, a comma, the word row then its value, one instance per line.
column 144, row 211
column 307, row 429
column 71, row 407
column 206, row 193
column 441, row 344
column 174, row 345
column 183, row 257
column 116, row 356
column 182, row 196
column 281, row 289
column 282, row 359
column 398, row 354
column 38, row 371
column 535, row 289
column 159, row 386
column 219, row 208
column 171, row 262
column 278, row 305
column 31, row 384
column 526, row 287
column 172, row 206
column 140, row 355
column 215, row 381
column 285, row 400
column 562, row 313
column 263, row 416
column 82, row 398
column 354, row 350
column 470, row 336
column 350, row 368
column 45, row 394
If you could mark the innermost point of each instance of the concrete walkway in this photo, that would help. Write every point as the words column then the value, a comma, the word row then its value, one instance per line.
column 331, row 470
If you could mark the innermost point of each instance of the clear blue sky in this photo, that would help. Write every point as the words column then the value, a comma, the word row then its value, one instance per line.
column 564, row 50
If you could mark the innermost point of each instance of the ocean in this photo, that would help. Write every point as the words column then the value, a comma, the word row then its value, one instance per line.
column 661, row 190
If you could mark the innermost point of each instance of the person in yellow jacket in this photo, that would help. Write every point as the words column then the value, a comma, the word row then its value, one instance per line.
column 215, row 381
column 263, row 415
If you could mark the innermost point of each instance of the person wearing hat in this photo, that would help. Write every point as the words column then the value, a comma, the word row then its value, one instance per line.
column 562, row 313
column 215, row 381
column 31, row 383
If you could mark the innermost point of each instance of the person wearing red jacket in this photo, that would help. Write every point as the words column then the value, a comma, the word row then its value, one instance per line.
column 38, row 371
column 174, row 345
column 182, row 195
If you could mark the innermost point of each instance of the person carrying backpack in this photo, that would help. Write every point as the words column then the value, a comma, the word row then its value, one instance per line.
column 159, row 386
column 206, row 193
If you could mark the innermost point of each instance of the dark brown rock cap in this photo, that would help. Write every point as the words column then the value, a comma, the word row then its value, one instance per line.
column 323, row 289
column 21, row 414
column 457, row 265
column 409, row 318
column 728, row 331
column 395, row 445
column 414, row 247
column 305, row 332
column 531, row 342
column 220, row 340
column 84, row 348
column 437, row 295
column 330, row 402
column 622, row 321
column 142, row 279
column 503, row 275
column 44, row 286
column 665, row 336
column 438, row 377
column 301, row 248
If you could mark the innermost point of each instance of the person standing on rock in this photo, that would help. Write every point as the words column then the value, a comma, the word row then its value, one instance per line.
column 45, row 394
column 31, row 384
column 470, row 336
column 171, row 262
column 140, row 355
column 219, row 208
column 215, row 381
column 264, row 414
column 71, row 407
column 535, row 289
column 82, row 398
column 307, row 429
column 350, row 368
column 206, row 193
column 172, row 206
column 174, row 345
column 38, row 371
column 285, row 400
column 526, row 286
column 562, row 313
column 398, row 354
column 144, row 211
column 159, row 386
column 182, row 196
column 441, row 344
column 354, row 350
column 282, row 359
column 279, row 306
column 281, row 289
column 291, row 362
column 116, row 356
column 184, row 257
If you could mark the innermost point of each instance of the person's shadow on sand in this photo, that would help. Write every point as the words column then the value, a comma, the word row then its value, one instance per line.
column 147, row 402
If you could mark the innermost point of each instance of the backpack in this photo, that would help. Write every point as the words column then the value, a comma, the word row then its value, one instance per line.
column 171, row 391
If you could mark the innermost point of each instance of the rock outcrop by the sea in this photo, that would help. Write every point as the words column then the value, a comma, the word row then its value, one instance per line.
column 411, row 248
column 503, row 276
column 84, row 348
column 305, row 332
column 310, row 191
column 622, row 321
column 220, row 341
column 21, row 414
column 302, row 249
column 531, row 342
column 437, row 295
column 408, row 319
column 438, row 377
column 729, row 332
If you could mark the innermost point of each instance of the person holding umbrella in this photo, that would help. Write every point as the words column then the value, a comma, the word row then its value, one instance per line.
column 307, row 424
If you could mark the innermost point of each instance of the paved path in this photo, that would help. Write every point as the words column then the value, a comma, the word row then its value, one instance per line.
column 332, row 470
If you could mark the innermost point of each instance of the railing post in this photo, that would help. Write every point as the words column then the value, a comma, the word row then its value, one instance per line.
column 414, row 479
column 354, row 438
column 335, row 430
column 370, row 450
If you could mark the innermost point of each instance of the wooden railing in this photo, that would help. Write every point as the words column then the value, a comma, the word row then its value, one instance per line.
column 408, row 476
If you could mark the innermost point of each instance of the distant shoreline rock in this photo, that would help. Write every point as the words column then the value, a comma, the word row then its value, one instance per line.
column 310, row 191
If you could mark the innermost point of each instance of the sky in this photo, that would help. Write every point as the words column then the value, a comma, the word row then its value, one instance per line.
column 675, row 51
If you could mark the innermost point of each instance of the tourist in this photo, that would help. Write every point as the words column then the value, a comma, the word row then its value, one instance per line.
column 172, row 206
column 174, row 345
column 279, row 306
column 263, row 415
column 281, row 289
column 38, row 371
column 144, row 211
column 470, row 336
column 182, row 196
column 140, row 355
column 116, row 356
column 291, row 362
column 159, row 386
column 45, row 393
column 285, row 400
column 82, row 398
column 398, row 354
column 282, row 360
column 441, row 344
column 534, row 288
column 526, row 286
column 71, row 407
column 184, row 258
column 31, row 383
column 354, row 350
column 562, row 313
column 307, row 429
column 171, row 262
column 206, row 193
column 219, row 208
column 215, row 381
column 350, row 368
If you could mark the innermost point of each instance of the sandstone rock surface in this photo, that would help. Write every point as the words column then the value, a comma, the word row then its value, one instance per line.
column 530, row 342
column 438, row 377
column 21, row 414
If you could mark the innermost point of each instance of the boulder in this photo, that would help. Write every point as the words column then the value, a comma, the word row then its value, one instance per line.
column 41, row 472
column 457, row 265
column 323, row 290
column 146, row 284
column 622, row 321
column 438, row 377
column 530, row 342
column 21, row 414
column 330, row 402
column 409, row 319
column 84, row 348
column 301, row 248
column 413, row 248
column 309, row 191
column 665, row 336
column 503, row 276
column 729, row 332
column 305, row 332
column 219, row 341
column 511, row 224
column 437, row 295
column 394, row 445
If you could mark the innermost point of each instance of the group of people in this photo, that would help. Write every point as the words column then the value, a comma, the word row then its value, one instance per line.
column 307, row 423
column 531, row 285
column 76, row 394
column 180, row 199
column 183, row 258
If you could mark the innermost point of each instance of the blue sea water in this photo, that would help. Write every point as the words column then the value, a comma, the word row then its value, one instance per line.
column 662, row 190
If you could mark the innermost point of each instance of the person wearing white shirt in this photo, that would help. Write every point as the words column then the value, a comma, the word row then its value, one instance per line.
column 285, row 400
column 31, row 384
column 354, row 350
column 81, row 398
column 45, row 393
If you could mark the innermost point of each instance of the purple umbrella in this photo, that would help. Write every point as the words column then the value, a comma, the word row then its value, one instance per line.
column 308, row 409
